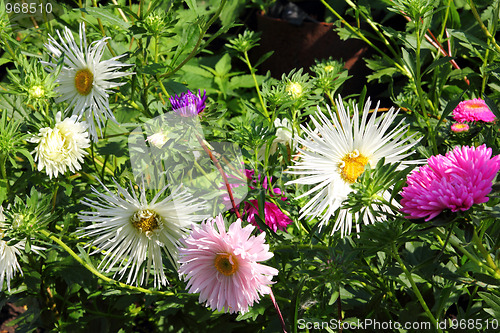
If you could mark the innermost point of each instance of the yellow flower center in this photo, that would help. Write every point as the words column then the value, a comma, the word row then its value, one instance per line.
column 460, row 126
column 294, row 89
column 84, row 80
column 226, row 264
column 329, row 68
column 146, row 220
column 352, row 166
column 36, row 92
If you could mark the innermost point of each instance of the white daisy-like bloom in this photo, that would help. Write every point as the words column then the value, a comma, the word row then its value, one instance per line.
column 132, row 233
column 61, row 147
column 8, row 256
column 84, row 80
column 334, row 155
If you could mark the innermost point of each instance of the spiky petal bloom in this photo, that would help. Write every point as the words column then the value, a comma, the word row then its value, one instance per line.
column 84, row 80
column 8, row 256
column 456, row 181
column 459, row 127
column 133, row 232
column 61, row 147
column 473, row 110
column 334, row 155
column 224, row 266
column 188, row 104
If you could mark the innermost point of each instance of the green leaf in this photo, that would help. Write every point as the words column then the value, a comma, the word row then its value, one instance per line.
column 493, row 107
column 493, row 301
column 447, row 110
column 4, row 61
column 106, row 15
column 437, row 63
column 193, row 6
column 153, row 69
column 263, row 58
column 223, row 66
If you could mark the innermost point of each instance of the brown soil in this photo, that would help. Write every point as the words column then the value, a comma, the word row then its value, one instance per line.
column 8, row 313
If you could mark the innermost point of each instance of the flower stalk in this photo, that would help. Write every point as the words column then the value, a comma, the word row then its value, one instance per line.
column 415, row 287
column 94, row 271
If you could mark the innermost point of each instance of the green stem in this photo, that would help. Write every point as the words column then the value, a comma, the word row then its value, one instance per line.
column 458, row 245
column 481, row 24
column 102, row 30
column 198, row 42
column 414, row 287
column 3, row 161
column 374, row 27
column 420, row 92
column 157, row 45
column 252, row 72
column 446, row 14
column 11, row 52
column 94, row 271
column 296, row 247
column 366, row 40
column 486, row 255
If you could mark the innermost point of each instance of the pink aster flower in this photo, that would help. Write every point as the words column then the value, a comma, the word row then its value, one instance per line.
column 459, row 127
column 473, row 110
column 456, row 181
column 274, row 217
column 224, row 266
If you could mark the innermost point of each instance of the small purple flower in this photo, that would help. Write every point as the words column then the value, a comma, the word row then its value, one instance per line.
column 188, row 104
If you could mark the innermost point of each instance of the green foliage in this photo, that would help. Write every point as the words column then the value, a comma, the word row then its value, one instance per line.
column 428, row 55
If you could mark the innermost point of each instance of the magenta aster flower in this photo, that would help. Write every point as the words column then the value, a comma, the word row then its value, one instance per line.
column 275, row 218
column 456, row 181
column 188, row 104
column 459, row 127
column 224, row 267
column 473, row 110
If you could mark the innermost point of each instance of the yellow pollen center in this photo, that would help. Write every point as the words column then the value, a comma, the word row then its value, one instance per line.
column 145, row 220
column 329, row 68
column 84, row 80
column 352, row 166
column 460, row 126
column 226, row 264
column 294, row 89
column 37, row 92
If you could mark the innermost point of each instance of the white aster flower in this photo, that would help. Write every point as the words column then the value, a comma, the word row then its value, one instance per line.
column 8, row 256
column 335, row 154
column 84, row 80
column 61, row 147
column 133, row 233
